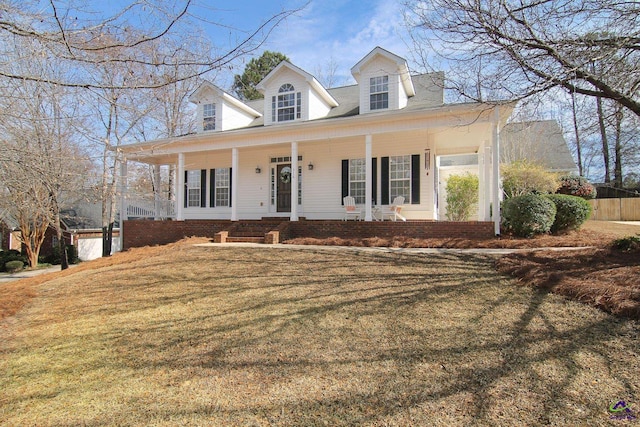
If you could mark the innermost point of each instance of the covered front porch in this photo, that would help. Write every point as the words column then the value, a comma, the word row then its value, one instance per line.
column 290, row 173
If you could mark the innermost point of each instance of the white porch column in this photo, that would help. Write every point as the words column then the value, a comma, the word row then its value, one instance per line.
column 234, row 184
column 180, row 188
column 368, row 185
column 294, row 181
column 487, row 183
column 156, row 192
column 495, row 179
column 123, row 198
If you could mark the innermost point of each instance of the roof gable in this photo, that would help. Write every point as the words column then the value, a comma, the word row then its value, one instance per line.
column 312, row 81
column 401, row 63
column 208, row 91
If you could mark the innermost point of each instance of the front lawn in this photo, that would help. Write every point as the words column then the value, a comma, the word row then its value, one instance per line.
column 185, row 335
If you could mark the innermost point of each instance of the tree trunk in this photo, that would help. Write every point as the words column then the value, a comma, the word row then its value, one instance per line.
column 62, row 247
column 575, row 127
column 107, row 239
column 605, row 141
column 617, row 170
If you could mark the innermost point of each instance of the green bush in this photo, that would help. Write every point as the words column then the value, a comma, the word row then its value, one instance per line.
column 11, row 255
column 14, row 266
column 528, row 215
column 462, row 196
column 576, row 186
column 55, row 259
column 525, row 177
column 571, row 212
column 628, row 244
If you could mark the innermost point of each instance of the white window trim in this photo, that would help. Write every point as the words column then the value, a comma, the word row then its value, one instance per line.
column 378, row 85
column 393, row 162
column 209, row 117
column 360, row 181
column 222, row 197
column 194, row 186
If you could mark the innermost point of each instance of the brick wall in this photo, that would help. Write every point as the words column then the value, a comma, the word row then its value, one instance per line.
column 144, row 232
column 148, row 232
column 388, row 229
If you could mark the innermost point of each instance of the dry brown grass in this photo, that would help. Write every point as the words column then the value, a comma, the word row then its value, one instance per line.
column 185, row 335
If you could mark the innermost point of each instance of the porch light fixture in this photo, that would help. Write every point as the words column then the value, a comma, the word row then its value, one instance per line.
column 258, row 170
column 310, row 166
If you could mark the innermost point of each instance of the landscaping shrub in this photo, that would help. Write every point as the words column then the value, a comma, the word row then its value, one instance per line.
column 628, row 244
column 462, row 196
column 14, row 266
column 55, row 259
column 576, row 186
column 571, row 212
column 11, row 255
column 528, row 215
column 525, row 177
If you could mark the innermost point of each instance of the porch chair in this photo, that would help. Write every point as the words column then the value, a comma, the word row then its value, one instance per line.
column 350, row 209
column 393, row 210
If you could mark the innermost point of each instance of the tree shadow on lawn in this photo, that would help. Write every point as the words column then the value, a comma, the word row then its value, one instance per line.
column 344, row 339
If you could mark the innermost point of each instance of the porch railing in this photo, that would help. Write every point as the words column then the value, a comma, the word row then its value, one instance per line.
column 159, row 209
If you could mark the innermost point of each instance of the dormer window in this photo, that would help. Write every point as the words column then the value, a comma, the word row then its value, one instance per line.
column 287, row 105
column 209, row 117
column 379, row 93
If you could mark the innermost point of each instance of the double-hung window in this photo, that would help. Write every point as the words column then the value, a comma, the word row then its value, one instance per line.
column 379, row 93
column 194, row 187
column 287, row 105
column 222, row 184
column 357, row 180
column 209, row 117
column 400, row 177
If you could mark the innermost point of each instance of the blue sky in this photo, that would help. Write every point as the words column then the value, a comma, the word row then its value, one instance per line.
column 325, row 31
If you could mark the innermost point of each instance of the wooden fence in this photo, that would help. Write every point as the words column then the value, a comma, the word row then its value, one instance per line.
column 616, row 209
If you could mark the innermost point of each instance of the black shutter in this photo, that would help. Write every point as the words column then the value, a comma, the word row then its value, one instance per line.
column 203, row 188
column 384, row 181
column 186, row 188
column 212, row 188
column 345, row 180
column 415, row 179
column 374, row 178
column 230, row 184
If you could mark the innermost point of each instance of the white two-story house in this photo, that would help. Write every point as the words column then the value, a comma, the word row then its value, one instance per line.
column 300, row 150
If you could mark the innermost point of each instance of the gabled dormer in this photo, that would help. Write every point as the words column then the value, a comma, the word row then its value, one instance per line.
column 219, row 111
column 291, row 94
column 384, row 81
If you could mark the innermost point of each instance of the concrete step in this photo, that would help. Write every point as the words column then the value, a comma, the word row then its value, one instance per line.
column 245, row 239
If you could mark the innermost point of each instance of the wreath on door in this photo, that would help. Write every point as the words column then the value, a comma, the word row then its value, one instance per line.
column 285, row 175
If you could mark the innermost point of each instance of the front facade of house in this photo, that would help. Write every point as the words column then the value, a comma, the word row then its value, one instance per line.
column 300, row 150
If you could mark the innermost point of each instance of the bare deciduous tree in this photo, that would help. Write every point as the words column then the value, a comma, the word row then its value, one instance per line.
column 519, row 48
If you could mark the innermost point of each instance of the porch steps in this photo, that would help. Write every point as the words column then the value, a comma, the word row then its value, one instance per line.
column 244, row 239
column 252, row 231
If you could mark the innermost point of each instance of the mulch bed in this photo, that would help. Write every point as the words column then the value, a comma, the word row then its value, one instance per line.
column 603, row 277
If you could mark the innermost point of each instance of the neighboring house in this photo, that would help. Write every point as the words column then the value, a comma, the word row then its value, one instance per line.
column 9, row 234
column 300, row 150
column 85, row 222
column 540, row 142
column 10, row 237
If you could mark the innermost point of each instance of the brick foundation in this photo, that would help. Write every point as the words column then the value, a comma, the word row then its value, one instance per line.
column 148, row 232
